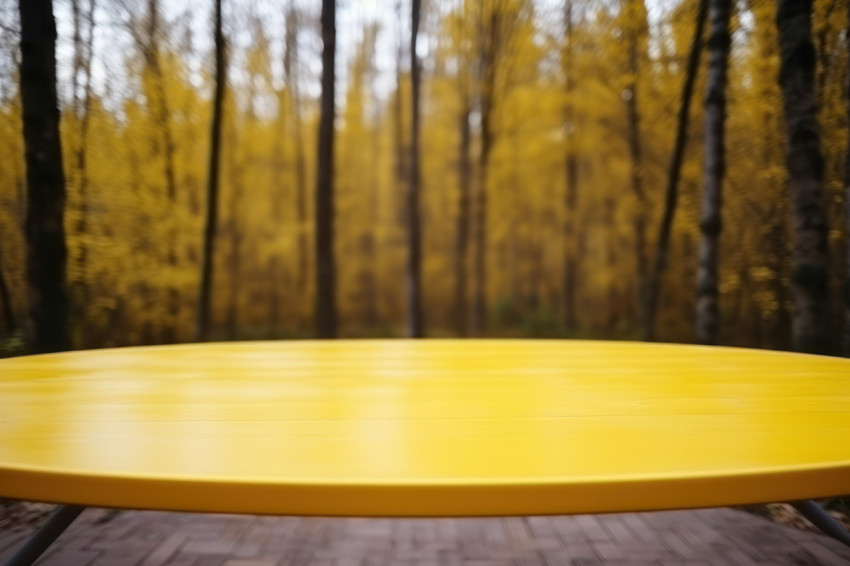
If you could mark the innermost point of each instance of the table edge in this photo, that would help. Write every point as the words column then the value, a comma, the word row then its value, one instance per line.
column 427, row 499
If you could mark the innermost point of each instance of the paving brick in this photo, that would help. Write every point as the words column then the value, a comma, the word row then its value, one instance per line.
column 608, row 551
column 220, row 546
column 569, row 555
column 823, row 555
column 638, row 526
column 617, row 528
column 738, row 558
column 541, row 526
column 592, row 528
column 716, row 536
column 10, row 542
column 675, row 543
column 535, row 559
column 63, row 557
column 209, row 560
column 162, row 552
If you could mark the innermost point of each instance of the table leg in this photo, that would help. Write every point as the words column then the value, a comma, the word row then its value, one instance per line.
column 822, row 520
column 44, row 537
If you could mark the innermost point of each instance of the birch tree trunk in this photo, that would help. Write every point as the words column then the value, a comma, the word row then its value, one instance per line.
column 44, row 223
column 326, row 315
column 805, row 177
column 414, row 257
column 708, row 311
column 211, row 220
column 671, row 195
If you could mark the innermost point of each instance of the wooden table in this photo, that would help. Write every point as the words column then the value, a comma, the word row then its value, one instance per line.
column 423, row 428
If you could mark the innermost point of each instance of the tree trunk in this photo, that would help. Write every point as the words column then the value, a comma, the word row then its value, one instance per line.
column 636, row 154
column 291, row 62
column 479, row 305
column 462, row 232
column 81, row 153
column 612, row 261
column 571, row 176
column 9, row 319
column 45, row 232
column 161, row 106
column 161, row 110
column 671, row 195
column 234, row 260
column 414, row 252
column 371, row 287
column 779, row 334
column 211, row 221
column 274, row 299
column 847, row 198
column 708, row 312
column 488, row 83
column 809, row 278
column 326, row 316
column 301, row 208
column 77, row 58
column 401, row 170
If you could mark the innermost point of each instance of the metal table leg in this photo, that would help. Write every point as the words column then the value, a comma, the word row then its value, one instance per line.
column 44, row 537
column 822, row 520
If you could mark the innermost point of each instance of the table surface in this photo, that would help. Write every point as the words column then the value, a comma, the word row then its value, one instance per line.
column 423, row 428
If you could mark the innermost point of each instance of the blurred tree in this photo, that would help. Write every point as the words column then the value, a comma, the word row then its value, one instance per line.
column 635, row 29
column 291, row 63
column 805, row 172
column 460, row 51
column 45, row 233
column 211, row 219
column 415, row 324
column 84, row 30
column 461, row 251
column 754, row 275
column 847, row 193
column 399, row 138
column 156, row 96
column 356, row 188
column 570, row 172
column 9, row 320
column 496, row 24
column 719, row 41
column 558, row 182
column 239, row 157
column 653, row 289
column 326, row 316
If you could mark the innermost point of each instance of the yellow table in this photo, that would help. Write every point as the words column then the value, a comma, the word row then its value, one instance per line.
column 424, row 428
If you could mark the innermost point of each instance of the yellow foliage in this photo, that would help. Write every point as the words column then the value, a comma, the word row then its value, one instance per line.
column 134, row 248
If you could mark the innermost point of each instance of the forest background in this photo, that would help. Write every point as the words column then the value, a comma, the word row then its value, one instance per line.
column 563, row 115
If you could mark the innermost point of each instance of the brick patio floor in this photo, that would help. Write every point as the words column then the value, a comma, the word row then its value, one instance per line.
column 704, row 537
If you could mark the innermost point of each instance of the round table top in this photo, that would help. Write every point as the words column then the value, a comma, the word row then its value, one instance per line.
column 423, row 428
